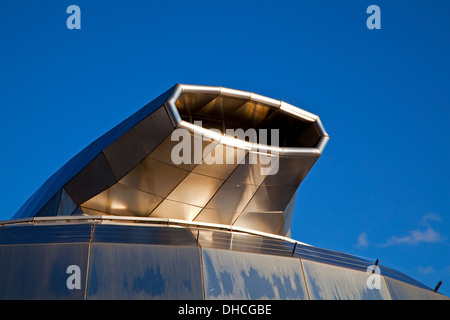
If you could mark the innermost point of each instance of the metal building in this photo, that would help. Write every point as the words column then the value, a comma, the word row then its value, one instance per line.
column 191, row 197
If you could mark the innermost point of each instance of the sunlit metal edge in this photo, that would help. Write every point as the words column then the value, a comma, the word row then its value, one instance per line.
column 277, row 104
column 139, row 220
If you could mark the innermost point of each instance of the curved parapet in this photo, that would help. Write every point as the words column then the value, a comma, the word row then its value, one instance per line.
column 196, row 153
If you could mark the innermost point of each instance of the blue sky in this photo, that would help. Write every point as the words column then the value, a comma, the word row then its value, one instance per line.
column 381, row 188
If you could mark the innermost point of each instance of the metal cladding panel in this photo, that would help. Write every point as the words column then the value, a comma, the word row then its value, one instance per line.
column 158, row 235
column 221, row 161
column 331, row 257
column 144, row 272
column 176, row 210
column 164, row 150
column 269, row 222
column 251, row 171
column 148, row 175
column 124, row 153
column 236, row 241
column 93, row 179
column 154, row 129
column 188, row 104
column 403, row 291
column 232, row 196
column 83, row 158
column 66, row 204
column 51, row 208
column 290, row 171
column 238, row 275
column 195, row 190
column 156, row 164
column 216, row 216
column 327, row 282
column 123, row 200
column 41, row 234
column 271, row 198
column 39, row 271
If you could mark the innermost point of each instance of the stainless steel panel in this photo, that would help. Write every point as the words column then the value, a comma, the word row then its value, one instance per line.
column 232, row 196
column 123, row 200
column 265, row 100
column 124, row 153
column 290, row 171
column 220, row 107
column 239, row 275
column 92, row 212
column 154, row 129
column 90, row 181
column 139, row 234
column 251, row 170
column 155, row 177
column 239, row 94
column 195, row 189
column 51, row 207
column 39, row 271
column 327, row 282
column 270, row 222
column 221, row 161
column 250, row 114
column 271, row 198
column 403, row 291
column 194, row 145
column 216, row 216
column 66, row 204
column 189, row 103
column 288, row 217
column 130, row 271
column 175, row 210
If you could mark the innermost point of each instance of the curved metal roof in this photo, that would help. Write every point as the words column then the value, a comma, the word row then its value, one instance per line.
column 247, row 156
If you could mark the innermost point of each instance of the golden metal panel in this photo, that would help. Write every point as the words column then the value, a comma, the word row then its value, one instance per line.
column 155, row 177
column 124, row 153
column 216, row 216
column 154, row 129
column 221, row 161
column 249, row 173
column 291, row 171
column 232, row 196
column 189, row 103
column 123, row 200
column 191, row 145
column 195, row 189
column 175, row 210
column 270, row 222
column 271, row 198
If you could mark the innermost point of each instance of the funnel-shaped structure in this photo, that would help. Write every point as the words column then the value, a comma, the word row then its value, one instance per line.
column 189, row 198
column 196, row 153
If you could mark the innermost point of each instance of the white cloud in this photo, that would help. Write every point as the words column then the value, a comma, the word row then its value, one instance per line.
column 363, row 240
column 430, row 217
column 417, row 236
column 426, row 270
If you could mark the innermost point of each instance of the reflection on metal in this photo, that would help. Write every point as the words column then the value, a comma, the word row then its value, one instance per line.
column 216, row 226
column 156, row 258
column 247, row 181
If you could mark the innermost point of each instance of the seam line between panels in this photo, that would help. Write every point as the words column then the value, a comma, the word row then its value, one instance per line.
column 387, row 287
column 304, row 278
column 89, row 261
column 201, row 271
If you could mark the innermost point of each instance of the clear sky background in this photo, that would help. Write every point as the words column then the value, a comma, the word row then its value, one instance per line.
column 380, row 189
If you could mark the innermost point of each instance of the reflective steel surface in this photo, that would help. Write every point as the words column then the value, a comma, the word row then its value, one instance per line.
column 150, row 258
column 246, row 177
